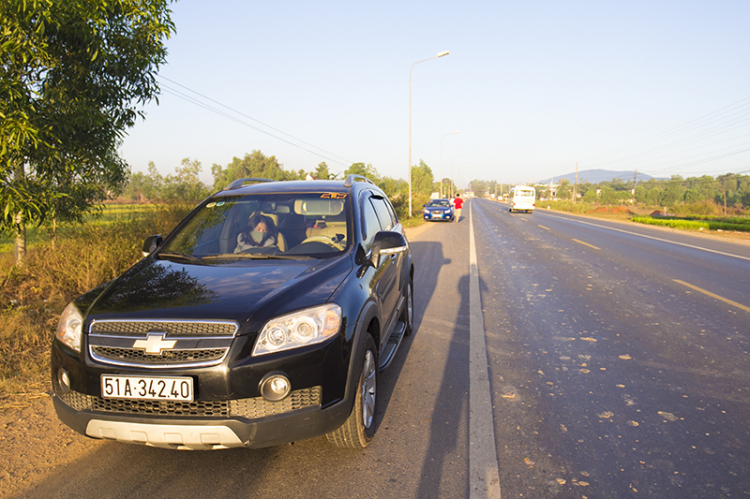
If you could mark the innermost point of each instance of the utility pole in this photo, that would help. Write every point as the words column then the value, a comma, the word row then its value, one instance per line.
column 635, row 182
column 575, row 186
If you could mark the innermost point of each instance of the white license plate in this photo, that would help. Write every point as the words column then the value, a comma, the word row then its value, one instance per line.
column 437, row 215
column 147, row 388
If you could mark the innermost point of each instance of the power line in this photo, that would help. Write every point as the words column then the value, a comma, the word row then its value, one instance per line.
column 712, row 116
column 711, row 137
column 210, row 108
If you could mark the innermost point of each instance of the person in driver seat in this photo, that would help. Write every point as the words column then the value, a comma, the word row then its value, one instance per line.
column 260, row 232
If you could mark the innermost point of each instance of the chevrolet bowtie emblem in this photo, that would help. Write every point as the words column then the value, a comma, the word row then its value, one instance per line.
column 154, row 344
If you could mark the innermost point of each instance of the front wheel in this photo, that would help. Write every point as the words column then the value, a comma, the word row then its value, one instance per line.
column 409, row 308
column 359, row 428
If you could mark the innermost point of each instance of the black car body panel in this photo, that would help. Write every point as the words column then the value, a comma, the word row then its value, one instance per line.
column 168, row 293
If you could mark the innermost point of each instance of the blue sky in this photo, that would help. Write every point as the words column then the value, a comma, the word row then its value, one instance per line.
column 534, row 87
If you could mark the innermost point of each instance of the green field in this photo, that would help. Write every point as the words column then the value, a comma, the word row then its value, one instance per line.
column 108, row 214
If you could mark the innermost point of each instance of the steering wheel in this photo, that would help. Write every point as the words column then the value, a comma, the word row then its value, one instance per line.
column 325, row 240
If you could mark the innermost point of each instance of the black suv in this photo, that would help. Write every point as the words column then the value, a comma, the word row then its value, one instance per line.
column 265, row 317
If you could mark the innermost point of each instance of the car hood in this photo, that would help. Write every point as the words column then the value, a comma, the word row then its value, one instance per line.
column 247, row 292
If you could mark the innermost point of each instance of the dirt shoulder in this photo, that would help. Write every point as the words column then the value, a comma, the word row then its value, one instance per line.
column 34, row 444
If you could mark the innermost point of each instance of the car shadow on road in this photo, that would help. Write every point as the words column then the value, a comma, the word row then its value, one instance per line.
column 426, row 255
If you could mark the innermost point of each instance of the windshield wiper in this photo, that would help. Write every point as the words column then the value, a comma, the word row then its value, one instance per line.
column 189, row 258
column 256, row 256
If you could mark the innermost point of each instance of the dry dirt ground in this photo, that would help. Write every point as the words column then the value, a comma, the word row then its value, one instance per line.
column 34, row 444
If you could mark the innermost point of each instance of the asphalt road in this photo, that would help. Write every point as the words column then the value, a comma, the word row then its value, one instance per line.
column 553, row 356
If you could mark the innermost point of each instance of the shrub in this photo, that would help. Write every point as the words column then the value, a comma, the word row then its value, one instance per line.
column 32, row 297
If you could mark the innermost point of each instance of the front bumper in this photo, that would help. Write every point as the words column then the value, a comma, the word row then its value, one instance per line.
column 228, row 409
column 438, row 215
column 204, row 433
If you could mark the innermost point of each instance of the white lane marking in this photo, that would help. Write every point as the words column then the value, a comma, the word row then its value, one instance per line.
column 654, row 238
column 484, row 475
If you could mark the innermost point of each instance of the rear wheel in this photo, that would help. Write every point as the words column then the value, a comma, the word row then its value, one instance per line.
column 359, row 428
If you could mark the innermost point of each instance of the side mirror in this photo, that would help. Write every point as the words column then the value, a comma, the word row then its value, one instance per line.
column 387, row 243
column 150, row 244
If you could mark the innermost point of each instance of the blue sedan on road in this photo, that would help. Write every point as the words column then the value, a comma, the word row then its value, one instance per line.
column 438, row 209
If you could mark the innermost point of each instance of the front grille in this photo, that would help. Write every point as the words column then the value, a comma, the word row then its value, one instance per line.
column 185, row 343
column 167, row 357
column 161, row 407
column 171, row 328
column 251, row 408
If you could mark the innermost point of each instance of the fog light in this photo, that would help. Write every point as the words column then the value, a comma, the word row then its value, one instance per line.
column 275, row 387
column 63, row 379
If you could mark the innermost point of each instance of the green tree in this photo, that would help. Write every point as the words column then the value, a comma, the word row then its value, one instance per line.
column 479, row 187
column 727, row 185
column 368, row 171
column 422, row 179
column 254, row 165
column 185, row 186
column 590, row 196
column 673, row 192
column 564, row 189
column 136, row 184
column 323, row 173
column 72, row 78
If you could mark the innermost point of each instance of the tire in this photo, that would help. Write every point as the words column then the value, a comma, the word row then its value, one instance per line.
column 359, row 428
column 409, row 309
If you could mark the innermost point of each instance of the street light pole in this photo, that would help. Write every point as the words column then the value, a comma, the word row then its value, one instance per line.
column 441, row 54
column 441, row 159
column 452, row 181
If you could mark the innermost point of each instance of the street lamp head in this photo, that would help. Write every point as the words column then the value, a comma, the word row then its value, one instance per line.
column 441, row 54
column 457, row 131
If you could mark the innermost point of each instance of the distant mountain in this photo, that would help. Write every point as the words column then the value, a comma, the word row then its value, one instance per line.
column 596, row 176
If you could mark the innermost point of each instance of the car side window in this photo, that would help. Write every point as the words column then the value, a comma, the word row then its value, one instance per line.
column 371, row 225
column 384, row 215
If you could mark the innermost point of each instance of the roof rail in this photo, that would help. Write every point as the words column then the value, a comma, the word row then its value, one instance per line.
column 351, row 178
column 238, row 183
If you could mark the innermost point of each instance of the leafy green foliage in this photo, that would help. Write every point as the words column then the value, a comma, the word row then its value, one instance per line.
column 254, row 165
column 81, row 258
column 72, row 79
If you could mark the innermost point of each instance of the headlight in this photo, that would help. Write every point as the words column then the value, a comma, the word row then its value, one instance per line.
column 69, row 327
column 306, row 327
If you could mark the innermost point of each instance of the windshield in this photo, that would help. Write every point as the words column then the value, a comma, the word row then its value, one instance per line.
column 439, row 202
column 290, row 226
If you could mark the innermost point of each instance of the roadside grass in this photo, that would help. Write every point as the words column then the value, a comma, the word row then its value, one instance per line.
column 409, row 223
column 613, row 212
column 739, row 224
column 33, row 296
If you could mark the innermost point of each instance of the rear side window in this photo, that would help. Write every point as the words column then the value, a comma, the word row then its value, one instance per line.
column 384, row 214
column 371, row 223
